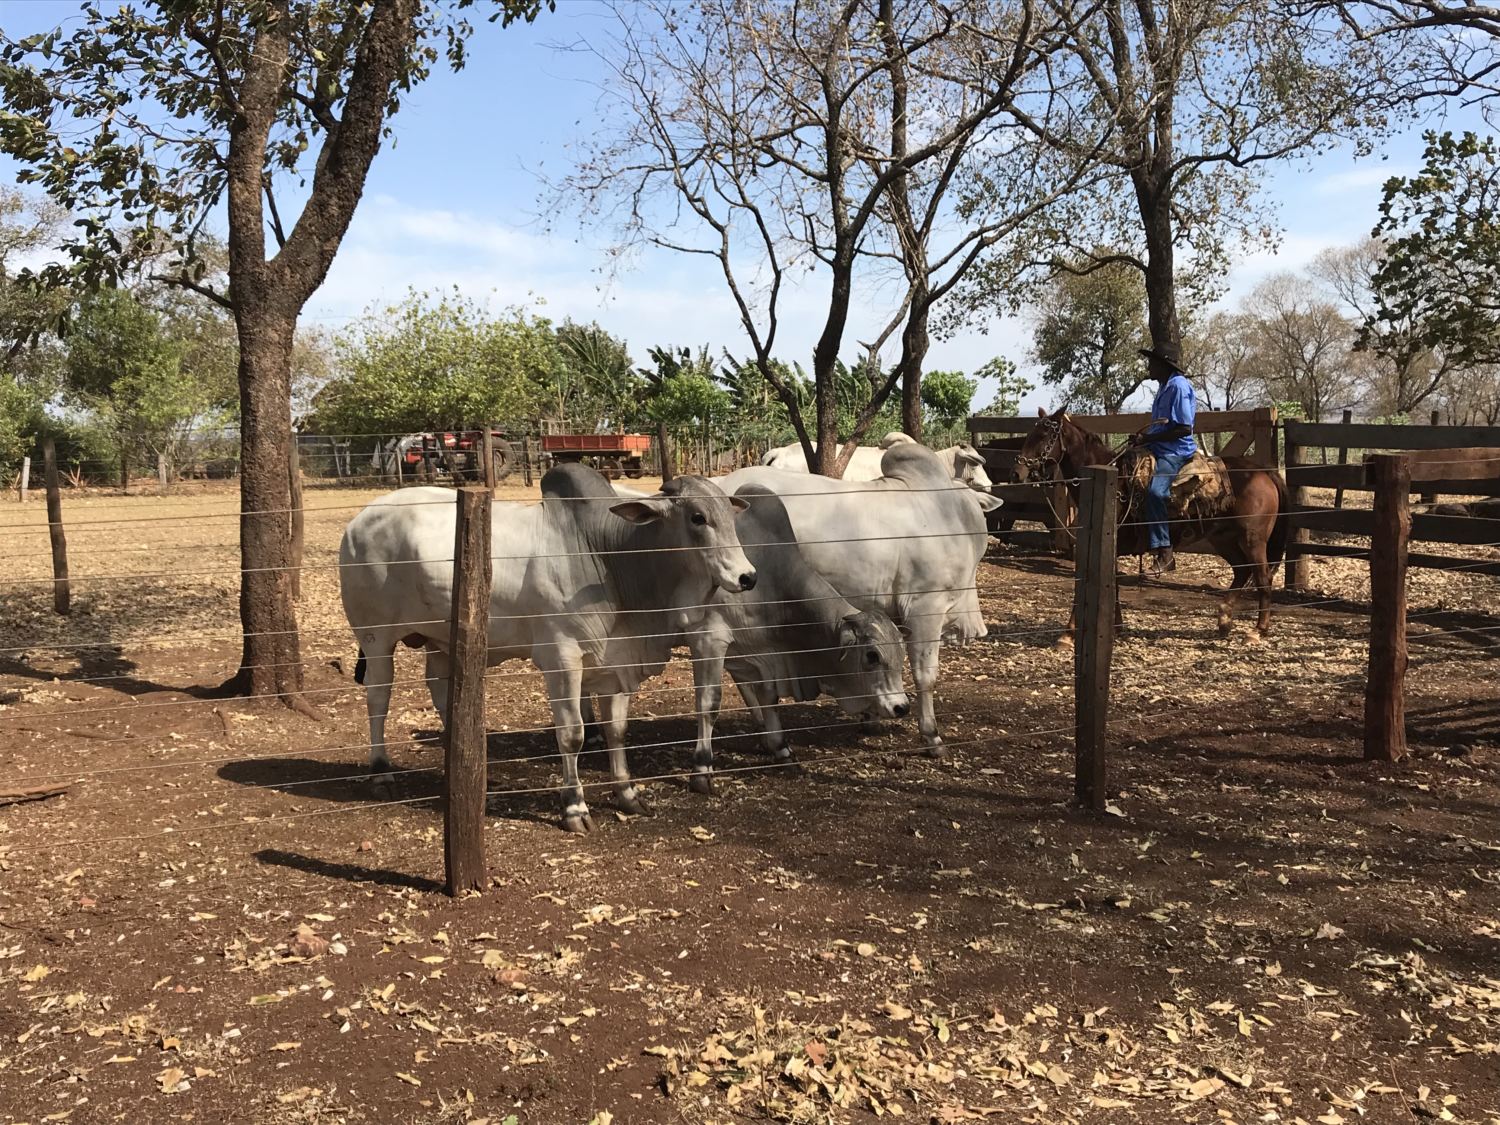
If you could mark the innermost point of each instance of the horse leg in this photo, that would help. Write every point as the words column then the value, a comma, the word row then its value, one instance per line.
column 627, row 796
column 1263, row 581
column 1066, row 640
column 1241, row 566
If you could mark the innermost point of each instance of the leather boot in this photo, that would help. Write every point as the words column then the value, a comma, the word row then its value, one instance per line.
column 1164, row 563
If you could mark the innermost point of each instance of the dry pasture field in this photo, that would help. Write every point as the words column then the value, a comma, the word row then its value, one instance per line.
column 221, row 921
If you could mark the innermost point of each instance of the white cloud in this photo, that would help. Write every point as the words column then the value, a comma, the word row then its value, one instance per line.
column 1359, row 180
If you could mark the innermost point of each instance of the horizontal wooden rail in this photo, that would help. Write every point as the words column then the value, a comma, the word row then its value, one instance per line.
column 1206, row 422
column 1427, row 562
column 1380, row 435
column 1473, row 463
column 1468, row 530
column 1352, row 478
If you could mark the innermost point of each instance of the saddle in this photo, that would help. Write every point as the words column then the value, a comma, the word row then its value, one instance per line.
column 1200, row 490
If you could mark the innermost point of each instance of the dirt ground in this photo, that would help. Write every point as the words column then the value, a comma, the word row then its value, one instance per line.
column 220, row 921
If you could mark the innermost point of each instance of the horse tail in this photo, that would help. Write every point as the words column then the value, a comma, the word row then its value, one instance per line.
column 1280, row 531
column 359, row 668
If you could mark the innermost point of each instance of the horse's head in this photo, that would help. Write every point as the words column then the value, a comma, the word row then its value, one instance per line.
column 1042, row 452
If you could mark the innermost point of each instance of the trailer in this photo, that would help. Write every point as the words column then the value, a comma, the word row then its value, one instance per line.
column 614, row 455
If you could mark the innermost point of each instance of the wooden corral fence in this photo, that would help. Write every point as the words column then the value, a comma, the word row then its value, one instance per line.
column 1463, row 454
column 1230, row 433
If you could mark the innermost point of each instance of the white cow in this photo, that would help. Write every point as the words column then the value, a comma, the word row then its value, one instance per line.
column 589, row 587
column 908, row 543
column 793, row 637
column 963, row 461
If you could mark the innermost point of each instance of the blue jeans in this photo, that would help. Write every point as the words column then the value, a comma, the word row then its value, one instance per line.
column 1167, row 467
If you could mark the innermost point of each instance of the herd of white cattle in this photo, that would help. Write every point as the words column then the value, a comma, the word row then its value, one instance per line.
column 798, row 586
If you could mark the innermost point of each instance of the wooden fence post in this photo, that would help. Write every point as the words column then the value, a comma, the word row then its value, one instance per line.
column 25, row 481
column 526, row 459
column 1385, row 687
column 1094, row 594
column 487, row 451
column 1338, row 493
column 1060, row 500
column 61, row 590
column 465, row 777
column 1263, row 430
column 1429, row 496
column 294, row 478
column 162, row 476
column 1295, row 564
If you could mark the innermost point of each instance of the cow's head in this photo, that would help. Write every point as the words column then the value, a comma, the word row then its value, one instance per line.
column 698, row 522
column 868, row 681
column 969, row 467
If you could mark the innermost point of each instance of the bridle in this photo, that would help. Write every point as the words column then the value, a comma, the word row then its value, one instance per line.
column 1049, row 462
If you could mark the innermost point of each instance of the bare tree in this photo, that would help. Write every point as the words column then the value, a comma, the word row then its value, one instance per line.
column 1407, row 370
column 820, row 138
column 1198, row 96
column 1222, row 359
column 1303, row 346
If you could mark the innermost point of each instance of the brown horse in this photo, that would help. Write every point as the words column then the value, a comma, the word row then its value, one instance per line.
column 1249, row 533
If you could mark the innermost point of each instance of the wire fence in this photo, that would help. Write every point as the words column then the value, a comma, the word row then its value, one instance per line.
column 629, row 625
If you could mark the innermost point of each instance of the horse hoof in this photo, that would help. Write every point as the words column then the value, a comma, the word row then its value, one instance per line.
column 634, row 806
column 937, row 751
column 702, row 783
column 578, row 825
column 1065, row 641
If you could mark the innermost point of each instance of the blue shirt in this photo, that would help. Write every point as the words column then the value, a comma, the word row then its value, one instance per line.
column 1175, row 404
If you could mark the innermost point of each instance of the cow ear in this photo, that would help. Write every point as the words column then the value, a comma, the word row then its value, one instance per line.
column 987, row 502
column 847, row 634
column 905, row 632
column 649, row 510
column 969, row 455
column 739, row 505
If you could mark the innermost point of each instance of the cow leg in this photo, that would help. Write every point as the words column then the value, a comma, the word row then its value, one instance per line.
column 772, row 736
column 380, row 670
column 593, row 735
column 923, row 648
column 437, row 682
column 708, row 696
column 564, row 686
column 616, row 714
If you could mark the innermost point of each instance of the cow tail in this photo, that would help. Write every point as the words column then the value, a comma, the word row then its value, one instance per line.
column 359, row 668
column 1280, row 531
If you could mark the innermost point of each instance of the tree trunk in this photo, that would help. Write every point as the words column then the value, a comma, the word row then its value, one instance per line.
column 664, row 452
column 124, row 469
column 271, row 659
column 825, row 373
column 914, row 341
column 1155, row 201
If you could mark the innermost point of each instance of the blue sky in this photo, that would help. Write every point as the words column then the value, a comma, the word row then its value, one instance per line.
column 455, row 202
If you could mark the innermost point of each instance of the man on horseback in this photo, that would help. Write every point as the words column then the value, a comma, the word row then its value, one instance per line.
column 1169, row 439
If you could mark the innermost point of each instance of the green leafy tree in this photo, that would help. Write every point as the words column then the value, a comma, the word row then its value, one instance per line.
column 758, row 416
column 1438, row 285
column 148, row 118
column 595, row 386
column 438, row 363
column 126, row 369
column 684, row 400
column 1088, row 333
column 947, row 397
column 1010, row 387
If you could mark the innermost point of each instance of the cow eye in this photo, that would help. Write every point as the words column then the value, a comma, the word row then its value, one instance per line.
column 872, row 658
column 699, row 518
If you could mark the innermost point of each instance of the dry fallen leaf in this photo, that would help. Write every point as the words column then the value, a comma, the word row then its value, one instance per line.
column 171, row 1079
column 305, row 943
column 409, row 1079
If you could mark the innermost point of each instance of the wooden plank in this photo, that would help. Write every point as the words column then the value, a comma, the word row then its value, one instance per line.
column 1263, row 433
column 1059, row 503
column 465, row 776
column 32, row 793
column 1295, row 570
column 1347, row 478
column 1373, row 435
column 62, row 591
column 1414, row 560
column 1463, row 530
column 1207, row 422
column 1338, row 496
column 1470, row 463
column 1385, row 686
column 487, row 453
column 1094, row 600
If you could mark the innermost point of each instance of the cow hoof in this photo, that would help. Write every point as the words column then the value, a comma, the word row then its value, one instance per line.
column 634, row 806
column 702, row 783
column 578, row 825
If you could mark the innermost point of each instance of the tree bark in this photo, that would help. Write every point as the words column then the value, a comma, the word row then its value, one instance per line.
column 825, row 378
column 1155, row 201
